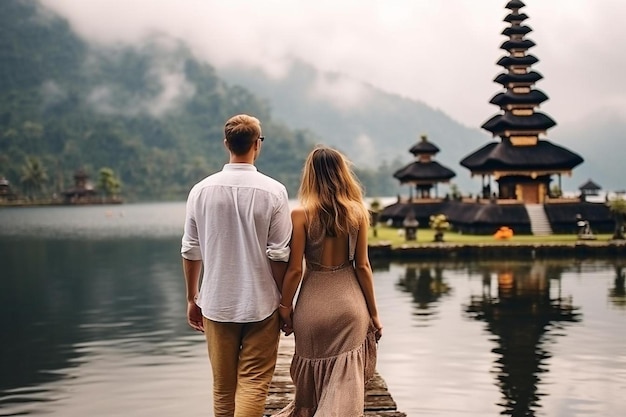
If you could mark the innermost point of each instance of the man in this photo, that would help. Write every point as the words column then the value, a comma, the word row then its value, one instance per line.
column 237, row 232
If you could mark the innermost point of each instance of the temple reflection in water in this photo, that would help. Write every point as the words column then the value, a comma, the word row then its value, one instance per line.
column 617, row 294
column 524, row 308
column 427, row 285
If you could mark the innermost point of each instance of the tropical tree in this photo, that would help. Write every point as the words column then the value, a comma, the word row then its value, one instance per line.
column 108, row 183
column 34, row 177
column 618, row 208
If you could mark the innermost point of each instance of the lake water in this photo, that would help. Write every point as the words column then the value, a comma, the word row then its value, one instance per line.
column 92, row 321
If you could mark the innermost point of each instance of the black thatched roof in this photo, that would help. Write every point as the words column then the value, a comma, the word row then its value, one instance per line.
column 515, row 4
column 424, row 147
column 528, row 78
column 431, row 171
column 495, row 214
column 512, row 17
column 566, row 212
column 509, row 97
column 503, row 156
column 508, row 121
column 397, row 212
column 523, row 44
column 517, row 30
column 487, row 218
column 590, row 186
column 508, row 61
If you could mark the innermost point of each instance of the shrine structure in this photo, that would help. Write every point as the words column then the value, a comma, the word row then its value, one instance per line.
column 521, row 171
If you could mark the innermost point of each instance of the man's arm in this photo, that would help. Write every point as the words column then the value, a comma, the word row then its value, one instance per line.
column 278, row 272
column 278, row 240
column 191, row 272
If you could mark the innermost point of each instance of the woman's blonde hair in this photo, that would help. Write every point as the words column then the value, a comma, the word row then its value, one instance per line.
column 330, row 190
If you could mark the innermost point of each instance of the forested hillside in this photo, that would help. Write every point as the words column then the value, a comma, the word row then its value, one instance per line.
column 154, row 114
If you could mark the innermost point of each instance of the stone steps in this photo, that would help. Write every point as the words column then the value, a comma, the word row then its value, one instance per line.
column 539, row 224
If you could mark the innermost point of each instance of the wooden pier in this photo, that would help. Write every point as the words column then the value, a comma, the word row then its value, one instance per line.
column 378, row 401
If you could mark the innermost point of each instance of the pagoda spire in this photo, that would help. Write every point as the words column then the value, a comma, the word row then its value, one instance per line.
column 522, row 162
column 519, row 122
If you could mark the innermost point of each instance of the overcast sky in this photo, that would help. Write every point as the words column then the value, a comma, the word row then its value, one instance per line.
column 442, row 52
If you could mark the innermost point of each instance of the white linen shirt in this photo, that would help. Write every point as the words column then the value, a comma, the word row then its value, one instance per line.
column 237, row 220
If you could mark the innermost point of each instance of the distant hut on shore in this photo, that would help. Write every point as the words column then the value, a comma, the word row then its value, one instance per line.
column 83, row 191
column 6, row 193
column 589, row 189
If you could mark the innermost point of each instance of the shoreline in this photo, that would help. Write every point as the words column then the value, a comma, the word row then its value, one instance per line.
column 444, row 250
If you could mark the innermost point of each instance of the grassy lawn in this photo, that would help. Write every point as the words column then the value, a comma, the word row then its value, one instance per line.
column 425, row 236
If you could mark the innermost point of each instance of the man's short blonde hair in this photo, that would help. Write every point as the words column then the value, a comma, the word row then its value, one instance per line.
column 240, row 132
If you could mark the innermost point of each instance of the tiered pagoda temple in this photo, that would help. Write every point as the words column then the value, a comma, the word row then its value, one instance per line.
column 521, row 163
column 519, row 168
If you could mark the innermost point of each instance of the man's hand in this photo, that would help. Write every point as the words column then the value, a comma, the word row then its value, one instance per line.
column 286, row 319
column 194, row 316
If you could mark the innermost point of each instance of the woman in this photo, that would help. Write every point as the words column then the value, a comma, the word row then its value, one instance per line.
column 335, row 320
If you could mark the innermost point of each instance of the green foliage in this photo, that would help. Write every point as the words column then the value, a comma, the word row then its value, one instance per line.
column 108, row 183
column 617, row 206
column 76, row 106
column 34, row 177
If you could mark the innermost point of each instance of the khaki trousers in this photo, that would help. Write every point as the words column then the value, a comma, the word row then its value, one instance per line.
column 243, row 358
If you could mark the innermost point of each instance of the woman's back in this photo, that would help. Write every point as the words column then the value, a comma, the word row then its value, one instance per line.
column 325, row 251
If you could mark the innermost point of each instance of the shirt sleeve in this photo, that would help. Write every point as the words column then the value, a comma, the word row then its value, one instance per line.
column 190, row 246
column 280, row 231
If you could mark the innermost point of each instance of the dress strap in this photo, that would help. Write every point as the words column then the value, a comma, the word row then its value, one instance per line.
column 352, row 237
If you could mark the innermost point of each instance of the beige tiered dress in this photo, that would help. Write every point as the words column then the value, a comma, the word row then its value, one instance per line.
column 335, row 353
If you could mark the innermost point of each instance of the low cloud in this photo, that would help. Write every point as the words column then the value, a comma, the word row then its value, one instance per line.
column 174, row 91
column 52, row 93
column 441, row 53
column 340, row 92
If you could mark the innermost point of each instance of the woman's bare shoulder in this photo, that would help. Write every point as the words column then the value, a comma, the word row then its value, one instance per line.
column 298, row 214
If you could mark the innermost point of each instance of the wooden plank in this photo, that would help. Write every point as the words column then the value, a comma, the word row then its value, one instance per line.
column 378, row 400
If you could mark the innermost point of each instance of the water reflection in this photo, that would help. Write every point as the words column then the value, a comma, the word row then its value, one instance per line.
column 427, row 285
column 617, row 294
column 92, row 323
column 525, row 309
column 62, row 304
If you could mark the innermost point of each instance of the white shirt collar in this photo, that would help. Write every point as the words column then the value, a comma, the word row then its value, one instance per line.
column 239, row 167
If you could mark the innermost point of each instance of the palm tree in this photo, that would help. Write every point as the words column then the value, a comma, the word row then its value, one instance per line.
column 618, row 208
column 34, row 176
column 108, row 182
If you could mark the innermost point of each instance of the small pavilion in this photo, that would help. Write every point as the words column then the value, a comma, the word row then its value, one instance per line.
column 6, row 193
column 588, row 189
column 83, row 190
column 424, row 173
